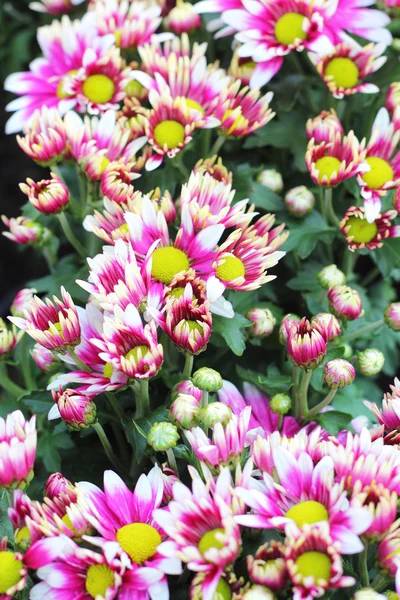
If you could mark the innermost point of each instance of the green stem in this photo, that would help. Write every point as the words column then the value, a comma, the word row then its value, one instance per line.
column 204, row 399
column 172, row 460
column 73, row 240
column 360, row 332
column 295, row 393
column 363, row 566
column 303, row 392
column 116, row 407
column 8, row 384
column 373, row 274
column 349, row 262
column 187, row 369
column 142, row 399
column 217, row 146
column 26, row 364
column 177, row 162
column 317, row 409
column 50, row 258
column 380, row 582
column 79, row 362
column 205, row 147
column 329, row 207
column 107, row 447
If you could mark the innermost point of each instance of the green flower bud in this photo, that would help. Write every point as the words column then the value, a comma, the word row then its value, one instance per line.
column 271, row 179
column 370, row 361
column 367, row 594
column 185, row 411
column 391, row 595
column 280, row 404
column 263, row 322
column 258, row 592
column 162, row 436
column 330, row 276
column 207, row 379
column 216, row 412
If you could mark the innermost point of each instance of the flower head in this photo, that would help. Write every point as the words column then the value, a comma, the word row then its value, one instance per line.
column 45, row 139
column 44, row 358
column 306, row 344
column 48, row 196
column 268, row 566
column 22, row 300
column 215, row 168
column 345, row 302
column 9, row 338
column 392, row 316
column 324, row 126
column 56, row 485
column 370, row 361
column 185, row 411
column 207, row 379
column 24, row 231
column 75, row 409
column 272, row 179
column 359, row 233
column 328, row 323
column 182, row 18
column 263, row 322
column 299, row 201
column 162, row 436
column 244, row 111
column 13, row 572
column 331, row 276
column 339, row 373
column 17, row 450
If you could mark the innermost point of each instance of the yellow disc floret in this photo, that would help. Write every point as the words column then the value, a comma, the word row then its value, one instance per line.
column 98, row 579
column 98, row 88
column 360, row 230
column 134, row 353
column 327, row 165
column 380, row 173
column 168, row 262
column 61, row 92
column 307, row 512
column 139, row 541
column 107, row 371
column 316, row 564
column 343, row 71
column 134, row 88
column 169, row 133
column 290, row 28
column 10, row 571
column 209, row 540
column 231, row 268
column 240, row 121
column 23, row 537
column 193, row 326
column 195, row 105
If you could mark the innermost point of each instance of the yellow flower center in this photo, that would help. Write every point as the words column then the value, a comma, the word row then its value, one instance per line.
column 169, row 133
column 98, row 579
column 223, row 591
column 193, row 326
column 290, row 28
column 209, row 540
column 316, row 564
column 239, row 122
column 137, row 352
column 98, row 88
column 327, row 165
column 104, row 162
column 10, row 569
column 23, row 537
column 139, row 541
column 168, row 262
column 360, row 230
column 195, row 105
column 134, row 88
column 176, row 292
column 344, row 72
column 61, row 93
column 231, row 268
column 380, row 173
column 107, row 371
column 59, row 329
column 124, row 229
column 307, row 512
column 246, row 69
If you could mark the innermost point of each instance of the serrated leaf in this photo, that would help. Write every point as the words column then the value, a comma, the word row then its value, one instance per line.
column 265, row 198
column 38, row 402
column 271, row 384
column 305, row 237
column 232, row 331
column 387, row 258
column 6, row 529
column 333, row 421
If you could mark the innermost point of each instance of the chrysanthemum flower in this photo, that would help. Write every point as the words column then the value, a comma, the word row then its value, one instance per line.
column 392, row 316
column 9, row 338
column 213, row 166
column 54, row 7
column 128, row 520
column 43, row 358
column 129, row 346
column 345, row 69
column 359, row 233
column 182, row 18
column 338, row 373
column 13, row 572
column 17, row 450
column 244, row 110
column 23, row 230
column 63, row 44
column 324, row 126
column 116, row 182
column 389, row 414
column 241, row 67
column 332, row 162
column 201, row 525
column 45, row 138
column 306, row 343
column 268, row 566
column 54, row 325
column 48, row 196
column 74, row 408
column 345, row 302
column 327, row 325
column 56, row 485
column 388, row 551
column 383, row 162
column 313, row 562
column 303, row 494
column 354, row 17
column 132, row 23
column 381, row 504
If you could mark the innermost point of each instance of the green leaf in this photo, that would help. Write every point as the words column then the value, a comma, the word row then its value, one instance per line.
column 387, row 258
column 48, row 452
column 38, row 402
column 304, row 237
column 334, row 421
column 271, row 384
column 232, row 331
column 68, row 270
column 265, row 198
column 6, row 529
column 137, row 431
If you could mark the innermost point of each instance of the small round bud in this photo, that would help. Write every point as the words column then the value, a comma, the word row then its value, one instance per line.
column 330, row 276
column 182, row 18
column 162, row 436
column 322, row 127
column 392, row 316
column 271, row 179
column 339, row 373
column 283, row 330
column 186, row 387
column 185, row 411
column 263, row 322
column 328, row 324
column 56, row 485
column 207, row 380
column 370, row 361
column 368, row 594
column 345, row 302
column 396, row 44
column 44, row 358
column 280, row 404
column 389, row 594
column 299, row 201
column 348, row 351
column 49, row 196
column 75, row 409
column 258, row 592
column 22, row 301
column 216, row 412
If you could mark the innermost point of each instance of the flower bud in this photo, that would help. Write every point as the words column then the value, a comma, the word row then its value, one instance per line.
column 263, row 322
column 299, row 201
column 185, row 411
column 22, row 301
column 370, row 361
column 322, row 127
column 169, row 477
column 347, row 351
column 48, row 196
column 290, row 317
column 182, row 18
column 368, row 594
column 207, row 380
column 330, row 276
column 392, row 316
column 56, row 485
column 257, row 592
column 9, row 338
column 74, row 408
column 306, row 345
column 162, row 436
column 268, row 566
column 389, row 594
column 186, row 387
column 339, row 373
column 24, row 231
column 345, row 302
column 271, row 179
column 393, row 96
column 216, row 412
column 280, row 404
column 327, row 321
column 44, row 358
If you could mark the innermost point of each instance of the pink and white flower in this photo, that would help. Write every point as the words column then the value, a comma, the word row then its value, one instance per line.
column 306, row 343
column 22, row 300
column 354, row 17
column 23, row 231
column 17, row 450
column 43, row 358
column 244, row 111
column 48, row 196
column 45, row 138
column 389, row 415
column 324, row 126
column 75, row 409
column 54, row 7
column 9, row 338
column 182, row 18
column 359, row 233
column 13, row 573
column 345, row 302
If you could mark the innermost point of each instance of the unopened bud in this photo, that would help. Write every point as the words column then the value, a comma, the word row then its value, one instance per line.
column 75, row 409
column 185, row 411
column 339, row 373
column 299, row 201
column 370, row 361
column 258, row 592
column 44, row 358
column 216, row 412
column 263, row 322
column 271, row 179
column 186, row 387
column 368, row 594
column 22, row 301
column 345, row 302
column 328, row 323
column 182, row 18
column 392, row 316
column 280, row 404
column 283, row 330
column 162, row 436
column 56, row 485
column 207, row 380
column 330, row 276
